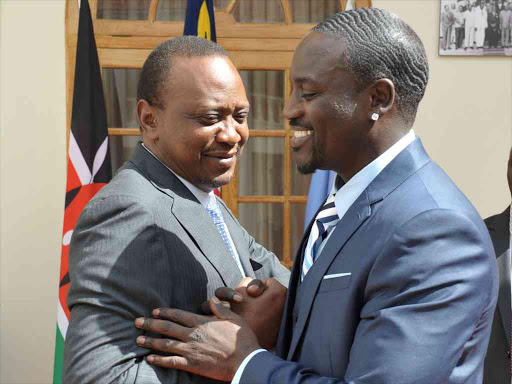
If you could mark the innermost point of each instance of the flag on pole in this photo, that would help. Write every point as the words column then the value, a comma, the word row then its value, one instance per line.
column 200, row 19
column 319, row 188
column 89, row 167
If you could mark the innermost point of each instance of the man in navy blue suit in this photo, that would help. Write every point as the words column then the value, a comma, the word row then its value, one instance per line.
column 395, row 280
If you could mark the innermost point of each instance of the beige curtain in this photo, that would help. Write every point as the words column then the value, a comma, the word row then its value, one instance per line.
column 123, row 9
column 261, row 170
column 120, row 85
column 171, row 10
column 313, row 11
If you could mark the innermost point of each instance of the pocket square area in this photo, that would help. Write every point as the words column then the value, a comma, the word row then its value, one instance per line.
column 334, row 282
column 335, row 275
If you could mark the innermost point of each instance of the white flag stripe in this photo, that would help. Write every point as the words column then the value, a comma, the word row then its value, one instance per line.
column 99, row 158
column 76, row 157
column 62, row 321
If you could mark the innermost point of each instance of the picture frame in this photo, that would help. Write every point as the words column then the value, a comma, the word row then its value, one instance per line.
column 475, row 28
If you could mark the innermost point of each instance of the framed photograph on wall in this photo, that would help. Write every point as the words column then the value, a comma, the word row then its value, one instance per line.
column 475, row 28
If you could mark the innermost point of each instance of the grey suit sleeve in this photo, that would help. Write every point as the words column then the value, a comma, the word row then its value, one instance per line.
column 118, row 267
column 271, row 266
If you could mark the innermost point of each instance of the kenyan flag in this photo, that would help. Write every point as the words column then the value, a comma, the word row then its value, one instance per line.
column 89, row 167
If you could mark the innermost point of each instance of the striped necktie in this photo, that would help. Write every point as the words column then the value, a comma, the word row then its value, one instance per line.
column 218, row 219
column 325, row 219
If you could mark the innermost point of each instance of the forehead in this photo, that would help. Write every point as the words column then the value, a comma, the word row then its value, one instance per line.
column 317, row 58
column 199, row 77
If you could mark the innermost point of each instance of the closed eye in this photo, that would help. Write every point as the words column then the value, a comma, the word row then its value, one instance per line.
column 309, row 96
column 240, row 117
column 210, row 119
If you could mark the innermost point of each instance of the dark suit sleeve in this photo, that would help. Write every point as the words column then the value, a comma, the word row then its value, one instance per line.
column 430, row 291
column 117, row 266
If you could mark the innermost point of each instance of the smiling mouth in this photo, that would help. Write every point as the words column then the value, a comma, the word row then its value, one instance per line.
column 223, row 160
column 221, row 155
column 302, row 133
column 300, row 138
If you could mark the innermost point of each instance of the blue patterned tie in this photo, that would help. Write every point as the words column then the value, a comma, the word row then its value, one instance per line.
column 218, row 219
column 326, row 218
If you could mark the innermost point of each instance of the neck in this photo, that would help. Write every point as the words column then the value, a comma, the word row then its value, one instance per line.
column 382, row 136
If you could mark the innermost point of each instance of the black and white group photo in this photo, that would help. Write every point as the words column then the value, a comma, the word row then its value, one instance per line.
column 475, row 28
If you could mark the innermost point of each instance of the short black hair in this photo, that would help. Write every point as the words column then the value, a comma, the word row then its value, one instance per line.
column 379, row 45
column 154, row 75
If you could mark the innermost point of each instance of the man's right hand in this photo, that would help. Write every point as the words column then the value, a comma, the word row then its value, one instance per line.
column 261, row 303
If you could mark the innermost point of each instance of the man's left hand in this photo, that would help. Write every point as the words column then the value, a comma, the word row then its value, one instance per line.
column 208, row 346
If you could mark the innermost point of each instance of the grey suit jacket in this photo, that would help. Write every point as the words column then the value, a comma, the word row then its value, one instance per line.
column 497, row 361
column 143, row 242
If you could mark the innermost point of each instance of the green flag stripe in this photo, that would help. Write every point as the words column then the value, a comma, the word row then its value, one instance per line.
column 59, row 355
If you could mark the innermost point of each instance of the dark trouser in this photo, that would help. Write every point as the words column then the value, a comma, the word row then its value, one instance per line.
column 459, row 37
column 492, row 36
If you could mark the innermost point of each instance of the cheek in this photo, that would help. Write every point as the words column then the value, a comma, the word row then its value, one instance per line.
column 344, row 106
column 244, row 134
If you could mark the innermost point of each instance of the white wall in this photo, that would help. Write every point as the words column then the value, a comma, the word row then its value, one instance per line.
column 465, row 119
column 465, row 122
column 32, row 176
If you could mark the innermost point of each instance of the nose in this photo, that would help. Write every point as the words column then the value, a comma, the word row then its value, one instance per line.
column 292, row 108
column 230, row 133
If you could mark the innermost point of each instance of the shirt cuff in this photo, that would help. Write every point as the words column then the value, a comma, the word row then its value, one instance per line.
column 240, row 370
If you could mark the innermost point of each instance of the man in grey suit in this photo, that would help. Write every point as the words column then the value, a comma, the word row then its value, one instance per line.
column 156, row 235
column 497, row 362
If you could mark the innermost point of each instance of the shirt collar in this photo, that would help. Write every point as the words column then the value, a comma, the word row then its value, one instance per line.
column 202, row 196
column 351, row 190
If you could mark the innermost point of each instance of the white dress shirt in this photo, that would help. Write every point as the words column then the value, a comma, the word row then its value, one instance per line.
column 203, row 197
column 345, row 197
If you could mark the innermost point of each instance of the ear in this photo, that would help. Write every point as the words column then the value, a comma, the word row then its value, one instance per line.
column 146, row 116
column 382, row 96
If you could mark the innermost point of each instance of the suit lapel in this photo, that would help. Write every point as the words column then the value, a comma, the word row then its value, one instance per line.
column 355, row 216
column 192, row 216
column 285, row 331
column 237, row 236
column 406, row 163
column 499, row 230
column 196, row 221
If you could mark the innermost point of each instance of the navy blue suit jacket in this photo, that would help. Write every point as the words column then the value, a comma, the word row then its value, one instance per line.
column 418, row 304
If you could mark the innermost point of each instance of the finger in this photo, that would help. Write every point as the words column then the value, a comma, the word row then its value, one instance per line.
column 187, row 319
column 228, row 294
column 175, row 362
column 244, row 282
column 205, row 308
column 256, row 288
column 164, row 345
column 219, row 310
column 163, row 327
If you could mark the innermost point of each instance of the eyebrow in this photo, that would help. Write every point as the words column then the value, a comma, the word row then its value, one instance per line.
column 305, row 79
